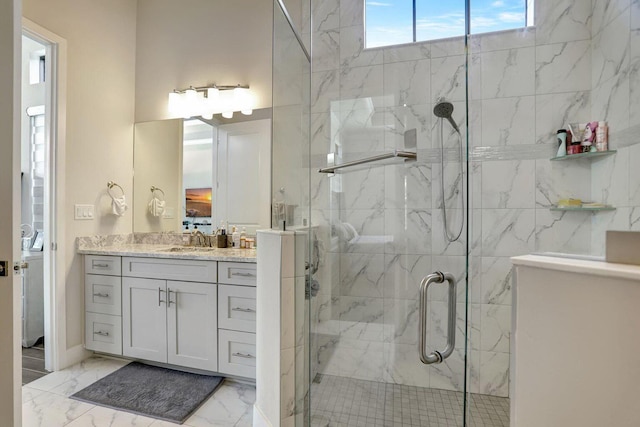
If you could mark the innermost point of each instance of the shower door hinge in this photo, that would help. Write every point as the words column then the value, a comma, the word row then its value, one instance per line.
column 54, row 246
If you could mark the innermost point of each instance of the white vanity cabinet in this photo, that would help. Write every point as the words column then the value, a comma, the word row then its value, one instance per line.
column 166, row 320
column 237, row 318
column 102, row 293
column 186, row 312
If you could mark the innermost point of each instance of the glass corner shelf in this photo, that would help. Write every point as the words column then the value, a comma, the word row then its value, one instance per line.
column 584, row 155
column 582, row 208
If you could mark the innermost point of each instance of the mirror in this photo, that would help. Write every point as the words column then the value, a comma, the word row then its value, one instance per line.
column 196, row 173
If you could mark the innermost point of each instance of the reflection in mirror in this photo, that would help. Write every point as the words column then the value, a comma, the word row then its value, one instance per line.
column 204, row 173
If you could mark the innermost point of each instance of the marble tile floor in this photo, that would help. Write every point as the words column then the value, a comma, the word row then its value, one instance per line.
column 346, row 402
column 46, row 403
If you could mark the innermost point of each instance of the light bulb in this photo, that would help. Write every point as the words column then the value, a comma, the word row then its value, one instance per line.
column 247, row 112
column 228, row 114
column 175, row 103
column 207, row 116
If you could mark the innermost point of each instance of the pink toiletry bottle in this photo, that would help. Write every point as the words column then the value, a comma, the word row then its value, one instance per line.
column 602, row 143
column 589, row 136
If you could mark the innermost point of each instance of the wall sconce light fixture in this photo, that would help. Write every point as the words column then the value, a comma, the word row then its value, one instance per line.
column 206, row 101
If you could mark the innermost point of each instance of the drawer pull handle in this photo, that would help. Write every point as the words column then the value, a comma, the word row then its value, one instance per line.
column 244, row 310
column 244, row 355
column 101, row 265
column 243, row 274
column 169, row 302
column 101, row 333
column 101, row 295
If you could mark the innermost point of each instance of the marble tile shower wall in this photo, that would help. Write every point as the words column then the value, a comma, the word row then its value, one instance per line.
column 615, row 89
column 381, row 228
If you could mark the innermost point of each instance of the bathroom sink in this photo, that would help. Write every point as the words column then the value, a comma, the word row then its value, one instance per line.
column 188, row 249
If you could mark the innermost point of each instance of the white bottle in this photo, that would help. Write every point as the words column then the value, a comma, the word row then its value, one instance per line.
column 243, row 238
column 235, row 237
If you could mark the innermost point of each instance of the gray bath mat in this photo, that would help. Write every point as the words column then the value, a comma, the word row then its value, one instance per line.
column 155, row 392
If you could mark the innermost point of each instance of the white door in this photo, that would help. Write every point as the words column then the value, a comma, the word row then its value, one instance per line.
column 144, row 318
column 244, row 174
column 192, row 334
column 10, row 336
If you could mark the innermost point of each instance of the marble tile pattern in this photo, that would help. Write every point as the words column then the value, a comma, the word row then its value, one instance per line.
column 581, row 62
column 46, row 402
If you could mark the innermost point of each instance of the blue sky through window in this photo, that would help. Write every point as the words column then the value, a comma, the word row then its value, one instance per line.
column 390, row 22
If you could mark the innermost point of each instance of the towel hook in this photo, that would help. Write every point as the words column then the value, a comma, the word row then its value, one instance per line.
column 154, row 189
column 110, row 186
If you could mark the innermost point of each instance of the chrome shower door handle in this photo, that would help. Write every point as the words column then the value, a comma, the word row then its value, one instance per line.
column 437, row 356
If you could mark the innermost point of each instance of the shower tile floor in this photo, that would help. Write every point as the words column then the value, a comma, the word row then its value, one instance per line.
column 338, row 401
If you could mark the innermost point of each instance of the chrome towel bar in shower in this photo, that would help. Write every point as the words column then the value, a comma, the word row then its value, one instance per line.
column 391, row 155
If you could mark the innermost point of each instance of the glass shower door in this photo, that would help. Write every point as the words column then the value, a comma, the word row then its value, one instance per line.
column 379, row 230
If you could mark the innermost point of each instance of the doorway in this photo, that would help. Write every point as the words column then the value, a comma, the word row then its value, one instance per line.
column 42, row 152
column 33, row 155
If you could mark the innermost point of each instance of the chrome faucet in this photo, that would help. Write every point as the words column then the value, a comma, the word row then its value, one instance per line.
column 198, row 238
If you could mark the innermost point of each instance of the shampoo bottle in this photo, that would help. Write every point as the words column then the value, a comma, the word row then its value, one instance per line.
column 562, row 143
column 235, row 237
column 243, row 238
column 602, row 137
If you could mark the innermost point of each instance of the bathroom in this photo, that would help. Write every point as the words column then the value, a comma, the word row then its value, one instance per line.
column 511, row 91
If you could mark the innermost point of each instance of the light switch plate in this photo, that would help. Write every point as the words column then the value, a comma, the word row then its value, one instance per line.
column 84, row 212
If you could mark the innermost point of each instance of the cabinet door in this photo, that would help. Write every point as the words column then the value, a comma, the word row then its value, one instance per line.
column 192, row 325
column 144, row 318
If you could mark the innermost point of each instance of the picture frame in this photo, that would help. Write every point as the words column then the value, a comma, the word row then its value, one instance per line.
column 38, row 242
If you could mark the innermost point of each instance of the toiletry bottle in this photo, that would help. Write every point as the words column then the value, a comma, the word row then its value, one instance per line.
column 601, row 137
column 562, row 143
column 243, row 238
column 235, row 237
column 222, row 236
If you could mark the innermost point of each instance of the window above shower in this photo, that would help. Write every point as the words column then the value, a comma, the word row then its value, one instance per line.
column 393, row 22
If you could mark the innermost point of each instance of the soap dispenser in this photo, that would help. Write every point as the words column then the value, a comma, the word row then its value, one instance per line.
column 235, row 237
column 222, row 236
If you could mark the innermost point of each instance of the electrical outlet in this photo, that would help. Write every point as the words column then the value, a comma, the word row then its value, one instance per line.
column 84, row 212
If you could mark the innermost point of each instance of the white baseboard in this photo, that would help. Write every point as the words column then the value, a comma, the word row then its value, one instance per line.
column 74, row 355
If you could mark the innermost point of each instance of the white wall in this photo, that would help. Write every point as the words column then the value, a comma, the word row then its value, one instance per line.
column 198, row 42
column 100, row 111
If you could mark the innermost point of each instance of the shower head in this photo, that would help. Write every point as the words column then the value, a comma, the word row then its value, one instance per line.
column 443, row 109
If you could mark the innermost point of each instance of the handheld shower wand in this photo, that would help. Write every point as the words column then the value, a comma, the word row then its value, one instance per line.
column 443, row 110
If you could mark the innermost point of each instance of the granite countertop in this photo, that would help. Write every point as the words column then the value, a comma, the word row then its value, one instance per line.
column 165, row 251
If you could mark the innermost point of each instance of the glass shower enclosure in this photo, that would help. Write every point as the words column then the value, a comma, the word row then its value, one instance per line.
column 450, row 147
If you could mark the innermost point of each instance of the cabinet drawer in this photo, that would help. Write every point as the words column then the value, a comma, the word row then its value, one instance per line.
column 237, row 308
column 237, row 273
column 103, row 332
column 170, row 269
column 108, row 265
column 102, row 294
column 237, row 353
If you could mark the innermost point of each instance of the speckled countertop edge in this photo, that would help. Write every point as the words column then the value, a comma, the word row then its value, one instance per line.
column 163, row 251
